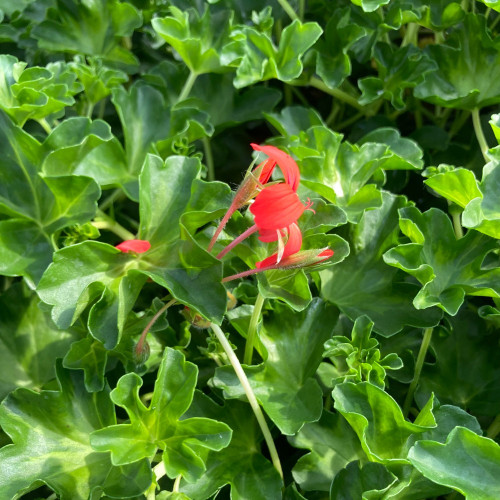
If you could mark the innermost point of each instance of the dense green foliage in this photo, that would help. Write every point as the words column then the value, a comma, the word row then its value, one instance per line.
column 376, row 369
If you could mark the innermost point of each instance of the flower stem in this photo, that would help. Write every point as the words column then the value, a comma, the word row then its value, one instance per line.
column 288, row 9
column 476, row 120
column 339, row 94
column 252, row 329
column 221, row 226
column 188, row 85
column 177, row 483
column 238, row 240
column 209, row 158
column 251, row 397
column 154, row 319
column 457, row 225
column 411, row 35
column 45, row 125
column 418, row 369
column 108, row 223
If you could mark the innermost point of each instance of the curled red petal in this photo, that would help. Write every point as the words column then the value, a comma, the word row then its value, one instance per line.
column 269, row 235
column 267, row 170
column 326, row 253
column 136, row 246
column 285, row 162
column 276, row 207
column 292, row 246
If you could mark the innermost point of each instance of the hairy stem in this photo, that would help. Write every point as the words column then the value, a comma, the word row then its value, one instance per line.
column 252, row 329
column 250, row 396
column 483, row 145
column 238, row 240
column 418, row 369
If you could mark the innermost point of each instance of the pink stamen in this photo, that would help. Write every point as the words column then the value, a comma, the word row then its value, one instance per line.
column 309, row 204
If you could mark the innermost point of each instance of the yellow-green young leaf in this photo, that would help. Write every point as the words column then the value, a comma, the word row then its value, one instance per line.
column 468, row 463
column 447, row 268
column 185, row 442
column 50, row 431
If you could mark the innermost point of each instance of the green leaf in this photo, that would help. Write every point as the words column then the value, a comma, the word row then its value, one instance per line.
column 241, row 464
column 35, row 93
column 257, row 59
column 399, row 69
column 456, row 377
column 378, row 421
column 332, row 444
column 93, row 29
column 364, row 285
column 370, row 5
column 283, row 383
column 447, row 268
column 197, row 40
column 50, row 431
column 479, row 200
column 29, row 341
column 468, row 64
column 333, row 63
column 371, row 480
column 159, row 426
column 468, row 463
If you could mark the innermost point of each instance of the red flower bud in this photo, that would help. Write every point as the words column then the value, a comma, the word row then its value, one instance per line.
column 136, row 246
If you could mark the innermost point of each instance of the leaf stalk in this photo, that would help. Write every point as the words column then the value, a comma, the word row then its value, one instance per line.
column 252, row 329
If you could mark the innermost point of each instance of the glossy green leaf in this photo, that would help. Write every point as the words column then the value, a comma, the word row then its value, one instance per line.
column 370, row 5
column 371, row 480
column 50, row 431
column 36, row 92
column 399, row 69
column 30, row 342
column 468, row 463
column 378, row 421
column 158, row 426
column 364, row 285
column 332, row 444
column 447, row 268
column 283, row 383
column 464, row 78
column 92, row 29
column 241, row 464
column 478, row 199
column 197, row 39
column 257, row 59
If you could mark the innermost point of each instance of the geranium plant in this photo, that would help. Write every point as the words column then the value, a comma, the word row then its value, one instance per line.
column 249, row 250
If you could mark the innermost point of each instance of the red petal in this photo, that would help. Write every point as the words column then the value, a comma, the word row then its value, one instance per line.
column 267, row 170
column 285, row 162
column 137, row 246
column 326, row 253
column 292, row 246
column 276, row 207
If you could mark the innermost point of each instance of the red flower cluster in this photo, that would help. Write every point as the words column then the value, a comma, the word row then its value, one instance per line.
column 276, row 209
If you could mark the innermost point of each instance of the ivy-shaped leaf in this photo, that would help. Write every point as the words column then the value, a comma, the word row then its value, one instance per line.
column 50, row 431
column 257, row 59
column 158, row 426
column 93, row 29
column 468, row 463
column 447, row 268
column 241, row 464
column 478, row 199
column 115, row 279
column 399, row 69
column 468, row 68
column 364, row 285
column 283, row 383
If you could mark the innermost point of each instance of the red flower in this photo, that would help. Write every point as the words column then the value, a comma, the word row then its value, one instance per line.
column 292, row 246
column 277, row 206
column 284, row 161
column 136, row 246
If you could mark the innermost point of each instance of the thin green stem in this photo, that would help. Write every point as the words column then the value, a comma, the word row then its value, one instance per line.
column 411, row 35
column 154, row 319
column 302, row 8
column 106, row 222
column 458, row 123
column 250, row 396
column 494, row 428
column 339, row 94
column 252, row 329
column 188, row 85
column 288, row 9
column 487, row 13
column 349, row 121
column 177, row 484
column 418, row 369
column 457, row 224
column 106, row 203
column 209, row 158
column 89, row 109
column 495, row 22
column 476, row 120
column 45, row 125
